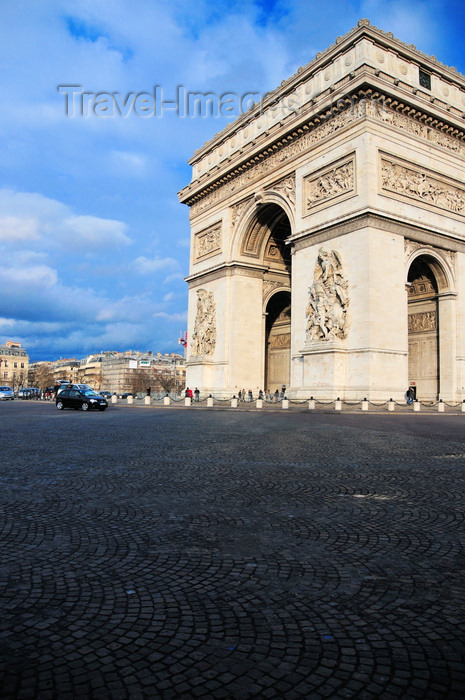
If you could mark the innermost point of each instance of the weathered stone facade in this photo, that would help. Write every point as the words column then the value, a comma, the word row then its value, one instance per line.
column 328, row 232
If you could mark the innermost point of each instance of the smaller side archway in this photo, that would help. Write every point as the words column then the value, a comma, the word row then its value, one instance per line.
column 278, row 342
column 431, row 328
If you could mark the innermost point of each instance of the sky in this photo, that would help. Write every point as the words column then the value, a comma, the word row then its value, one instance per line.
column 94, row 244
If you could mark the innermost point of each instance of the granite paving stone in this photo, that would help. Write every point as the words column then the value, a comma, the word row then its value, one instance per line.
column 220, row 554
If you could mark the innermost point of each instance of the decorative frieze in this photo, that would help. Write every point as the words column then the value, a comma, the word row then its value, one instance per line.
column 422, row 322
column 204, row 336
column 319, row 128
column 329, row 183
column 410, row 125
column 279, row 341
column 208, row 241
column 328, row 304
column 421, row 185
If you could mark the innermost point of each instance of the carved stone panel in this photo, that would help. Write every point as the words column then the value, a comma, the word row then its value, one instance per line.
column 329, row 183
column 421, row 185
column 208, row 241
column 286, row 187
column 204, row 336
column 422, row 321
column 328, row 303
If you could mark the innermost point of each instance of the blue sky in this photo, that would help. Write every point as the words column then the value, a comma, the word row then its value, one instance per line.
column 94, row 243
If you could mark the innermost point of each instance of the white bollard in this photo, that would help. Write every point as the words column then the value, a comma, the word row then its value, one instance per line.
column 167, row 401
column 338, row 405
column 234, row 403
column 210, row 401
column 416, row 405
column 391, row 405
column 311, row 405
column 441, row 406
column 259, row 403
column 114, row 399
column 364, row 405
column 187, row 401
column 130, row 399
column 285, row 403
column 463, row 407
column 147, row 400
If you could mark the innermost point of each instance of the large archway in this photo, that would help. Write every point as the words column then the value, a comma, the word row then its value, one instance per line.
column 423, row 329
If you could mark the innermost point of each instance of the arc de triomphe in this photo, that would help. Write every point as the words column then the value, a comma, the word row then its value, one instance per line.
column 328, row 232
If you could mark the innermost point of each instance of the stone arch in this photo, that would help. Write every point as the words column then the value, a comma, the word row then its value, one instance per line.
column 429, row 287
column 258, row 220
column 441, row 268
column 277, row 341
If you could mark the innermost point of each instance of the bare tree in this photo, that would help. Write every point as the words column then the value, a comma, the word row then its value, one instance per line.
column 166, row 382
column 41, row 376
column 139, row 380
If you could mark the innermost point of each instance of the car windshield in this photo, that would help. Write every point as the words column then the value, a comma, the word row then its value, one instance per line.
column 5, row 388
column 90, row 392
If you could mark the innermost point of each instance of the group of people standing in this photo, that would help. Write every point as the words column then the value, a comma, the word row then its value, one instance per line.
column 189, row 394
column 267, row 395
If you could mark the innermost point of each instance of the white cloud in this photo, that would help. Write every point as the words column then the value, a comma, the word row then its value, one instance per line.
column 16, row 228
column 95, row 232
column 147, row 266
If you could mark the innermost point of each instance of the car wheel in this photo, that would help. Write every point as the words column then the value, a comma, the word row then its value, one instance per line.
column 60, row 405
column 85, row 406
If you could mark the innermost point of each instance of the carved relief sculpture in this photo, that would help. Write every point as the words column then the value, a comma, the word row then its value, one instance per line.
column 327, row 310
column 329, row 184
column 208, row 241
column 286, row 187
column 204, row 336
column 423, row 321
column 418, row 185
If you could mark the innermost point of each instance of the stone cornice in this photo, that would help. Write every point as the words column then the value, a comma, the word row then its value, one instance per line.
column 225, row 270
column 192, row 194
column 382, row 223
column 363, row 29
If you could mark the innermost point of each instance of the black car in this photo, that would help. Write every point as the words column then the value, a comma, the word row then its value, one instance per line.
column 84, row 399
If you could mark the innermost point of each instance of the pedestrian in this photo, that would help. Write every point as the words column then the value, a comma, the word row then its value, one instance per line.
column 240, row 395
column 410, row 395
column 276, row 395
column 149, row 390
column 189, row 393
column 260, row 394
column 196, row 394
column 250, row 395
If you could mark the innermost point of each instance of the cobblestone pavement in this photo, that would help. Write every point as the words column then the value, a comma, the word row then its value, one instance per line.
column 215, row 554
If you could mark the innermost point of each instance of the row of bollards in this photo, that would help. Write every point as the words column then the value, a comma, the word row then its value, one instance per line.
column 391, row 404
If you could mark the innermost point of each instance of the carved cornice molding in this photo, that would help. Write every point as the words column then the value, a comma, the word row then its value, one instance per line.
column 382, row 223
column 364, row 27
column 225, row 271
column 320, row 125
column 363, row 102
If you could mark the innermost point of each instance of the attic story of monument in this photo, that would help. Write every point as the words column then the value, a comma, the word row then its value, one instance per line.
column 328, row 239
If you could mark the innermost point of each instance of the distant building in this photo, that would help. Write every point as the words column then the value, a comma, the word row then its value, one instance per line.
column 136, row 371
column 14, row 364
column 118, row 372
